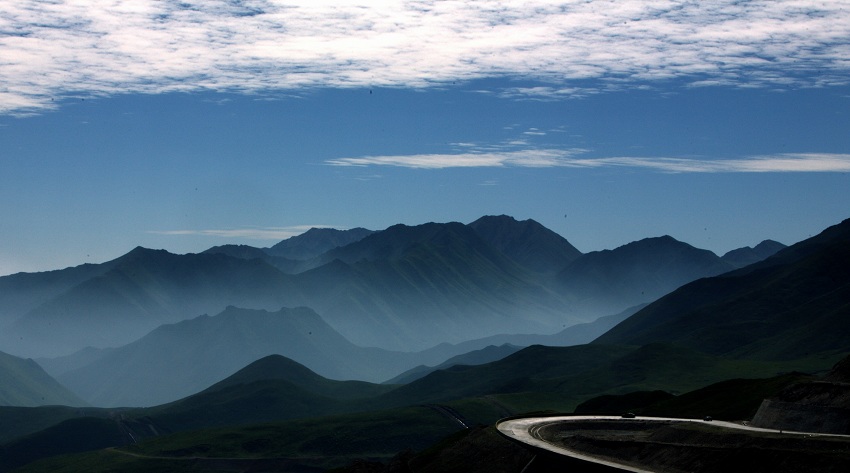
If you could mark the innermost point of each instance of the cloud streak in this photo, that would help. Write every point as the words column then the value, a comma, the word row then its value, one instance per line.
column 550, row 158
column 66, row 48
column 274, row 233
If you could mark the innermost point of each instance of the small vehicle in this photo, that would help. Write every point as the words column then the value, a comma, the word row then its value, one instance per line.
column 707, row 418
column 628, row 415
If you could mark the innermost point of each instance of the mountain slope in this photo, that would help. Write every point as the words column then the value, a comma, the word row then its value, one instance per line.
column 793, row 304
column 180, row 359
column 607, row 281
column 22, row 292
column 24, row 383
column 527, row 243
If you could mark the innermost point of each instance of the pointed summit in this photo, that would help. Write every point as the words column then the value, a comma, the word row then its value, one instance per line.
column 527, row 242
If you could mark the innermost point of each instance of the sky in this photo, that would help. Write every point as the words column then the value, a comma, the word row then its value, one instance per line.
column 185, row 125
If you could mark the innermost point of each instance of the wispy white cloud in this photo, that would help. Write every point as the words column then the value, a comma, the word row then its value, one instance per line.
column 522, row 158
column 63, row 48
column 251, row 233
column 550, row 158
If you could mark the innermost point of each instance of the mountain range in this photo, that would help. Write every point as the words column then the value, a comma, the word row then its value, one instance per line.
column 404, row 288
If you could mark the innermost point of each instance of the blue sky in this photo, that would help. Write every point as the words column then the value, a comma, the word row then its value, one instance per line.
column 183, row 125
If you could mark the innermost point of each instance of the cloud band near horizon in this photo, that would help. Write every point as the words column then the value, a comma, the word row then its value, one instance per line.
column 547, row 158
column 51, row 51
column 250, row 233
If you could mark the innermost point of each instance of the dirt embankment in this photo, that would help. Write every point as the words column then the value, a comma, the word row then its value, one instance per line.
column 819, row 406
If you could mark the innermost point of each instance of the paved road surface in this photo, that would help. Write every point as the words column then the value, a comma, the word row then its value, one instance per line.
column 527, row 431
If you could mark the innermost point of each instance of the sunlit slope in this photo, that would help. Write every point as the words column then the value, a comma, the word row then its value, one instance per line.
column 24, row 383
column 794, row 304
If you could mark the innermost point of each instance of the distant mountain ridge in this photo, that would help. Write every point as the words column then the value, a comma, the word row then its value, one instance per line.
column 142, row 290
column 316, row 241
column 635, row 273
column 746, row 256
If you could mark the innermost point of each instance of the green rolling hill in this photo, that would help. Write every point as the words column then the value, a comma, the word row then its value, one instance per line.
column 25, row 383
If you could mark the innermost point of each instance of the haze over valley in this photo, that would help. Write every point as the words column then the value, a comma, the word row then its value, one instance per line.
column 351, row 304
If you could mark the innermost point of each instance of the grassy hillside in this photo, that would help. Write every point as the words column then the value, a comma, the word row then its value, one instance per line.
column 303, row 445
column 24, row 383
column 69, row 436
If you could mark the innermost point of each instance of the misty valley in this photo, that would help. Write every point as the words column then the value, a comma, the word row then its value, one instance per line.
column 400, row 350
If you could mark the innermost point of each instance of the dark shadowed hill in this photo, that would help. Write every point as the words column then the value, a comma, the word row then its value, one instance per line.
column 270, row 389
column 24, row 383
column 793, row 304
column 282, row 368
column 527, row 243
column 316, row 241
column 477, row 357
column 610, row 280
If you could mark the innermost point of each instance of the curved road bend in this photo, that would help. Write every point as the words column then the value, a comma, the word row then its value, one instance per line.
column 526, row 430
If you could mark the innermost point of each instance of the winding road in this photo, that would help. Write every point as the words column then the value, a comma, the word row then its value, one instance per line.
column 528, row 431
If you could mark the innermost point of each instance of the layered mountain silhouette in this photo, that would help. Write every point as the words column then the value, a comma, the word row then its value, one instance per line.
column 404, row 288
column 794, row 304
column 142, row 290
column 787, row 312
column 180, row 359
